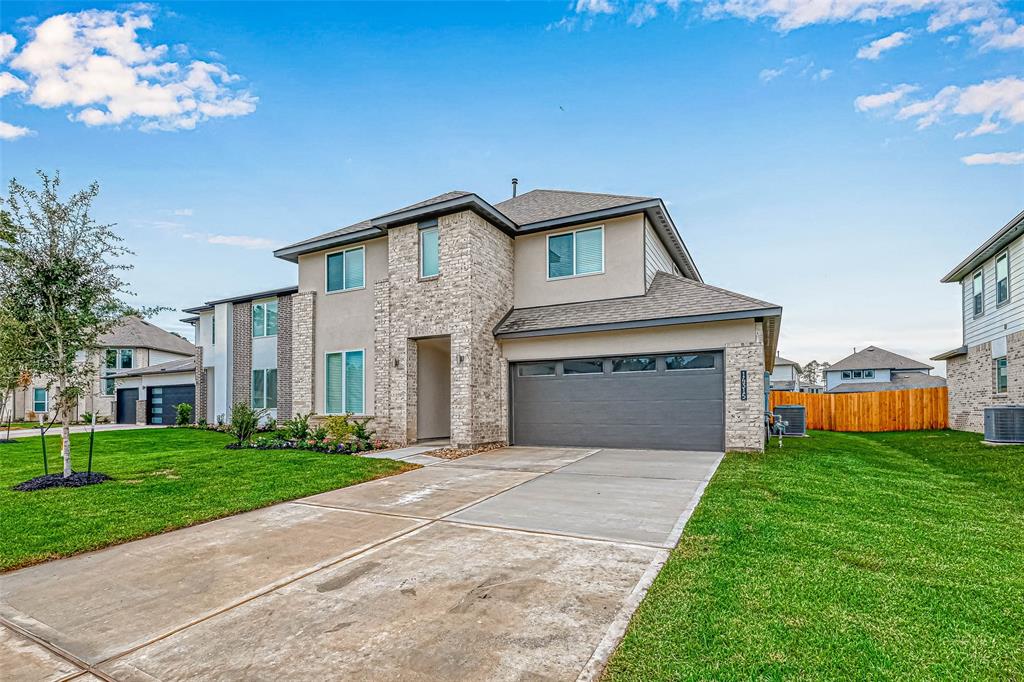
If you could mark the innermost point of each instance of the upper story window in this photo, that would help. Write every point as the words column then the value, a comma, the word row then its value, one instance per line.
column 264, row 319
column 430, row 256
column 117, row 358
column 978, row 293
column 213, row 329
column 859, row 374
column 346, row 270
column 40, row 400
column 580, row 252
column 1003, row 277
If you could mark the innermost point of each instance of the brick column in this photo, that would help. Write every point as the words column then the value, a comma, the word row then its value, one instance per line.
column 140, row 411
column 744, row 419
column 200, row 408
column 303, row 350
column 382, row 358
column 241, row 350
column 284, row 358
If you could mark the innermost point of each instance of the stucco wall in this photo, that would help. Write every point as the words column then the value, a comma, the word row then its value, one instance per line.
column 623, row 267
column 344, row 319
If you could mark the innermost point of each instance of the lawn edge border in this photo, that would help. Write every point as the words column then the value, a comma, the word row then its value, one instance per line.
column 595, row 666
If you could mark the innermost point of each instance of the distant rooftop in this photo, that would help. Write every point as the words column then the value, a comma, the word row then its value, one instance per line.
column 874, row 357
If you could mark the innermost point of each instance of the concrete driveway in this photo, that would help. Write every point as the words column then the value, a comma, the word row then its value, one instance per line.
column 514, row 564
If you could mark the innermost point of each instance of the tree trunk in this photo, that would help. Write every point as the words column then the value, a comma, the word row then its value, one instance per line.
column 65, row 444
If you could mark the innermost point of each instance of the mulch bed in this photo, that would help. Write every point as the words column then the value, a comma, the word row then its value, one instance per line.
column 456, row 453
column 76, row 480
column 8, row 441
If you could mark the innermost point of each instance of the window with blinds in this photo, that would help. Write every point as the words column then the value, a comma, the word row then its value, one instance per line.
column 430, row 260
column 346, row 270
column 580, row 252
column 345, row 382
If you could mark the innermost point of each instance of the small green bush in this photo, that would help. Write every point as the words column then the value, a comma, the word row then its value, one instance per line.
column 245, row 421
column 297, row 428
column 338, row 426
column 184, row 414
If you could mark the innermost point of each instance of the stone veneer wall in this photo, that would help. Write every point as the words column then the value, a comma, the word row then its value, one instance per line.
column 971, row 382
column 744, row 419
column 303, row 384
column 199, row 410
column 471, row 294
column 241, row 351
column 284, row 358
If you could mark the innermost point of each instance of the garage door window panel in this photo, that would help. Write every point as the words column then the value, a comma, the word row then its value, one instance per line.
column 640, row 363
column 676, row 363
column 537, row 369
column 570, row 367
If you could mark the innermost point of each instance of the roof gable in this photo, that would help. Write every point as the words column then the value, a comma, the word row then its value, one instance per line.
column 539, row 205
column 134, row 332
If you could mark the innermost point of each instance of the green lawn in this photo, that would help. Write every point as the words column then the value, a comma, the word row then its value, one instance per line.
column 844, row 556
column 164, row 479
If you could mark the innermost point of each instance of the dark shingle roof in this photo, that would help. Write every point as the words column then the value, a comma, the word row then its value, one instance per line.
column 900, row 381
column 340, row 232
column 873, row 357
column 133, row 332
column 454, row 194
column 183, row 365
column 779, row 360
column 669, row 298
column 547, row 204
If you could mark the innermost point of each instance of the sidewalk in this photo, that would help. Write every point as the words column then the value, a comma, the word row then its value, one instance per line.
column 55, row 429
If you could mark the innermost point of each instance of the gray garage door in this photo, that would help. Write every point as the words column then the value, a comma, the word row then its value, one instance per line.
column 163, row 402
column 673, row 401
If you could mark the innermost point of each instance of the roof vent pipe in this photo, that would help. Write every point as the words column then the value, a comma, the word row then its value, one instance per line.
column 515, row 183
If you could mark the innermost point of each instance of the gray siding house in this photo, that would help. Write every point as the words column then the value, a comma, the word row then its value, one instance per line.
column 877, row 369
column 988, row 369
column 551, row 318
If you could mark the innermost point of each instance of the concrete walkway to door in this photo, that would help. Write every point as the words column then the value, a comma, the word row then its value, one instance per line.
column 518, row 563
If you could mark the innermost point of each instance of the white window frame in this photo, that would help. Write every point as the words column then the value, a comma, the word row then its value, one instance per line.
column 46, row 400
column 251, row 379
column 327, row 257
column 974, row 293
column 547, row 253
column 995, row 376
column 1006, row 300
column 869, row 374
column 344, row 380
column 252, row 313
column 847, row 374
column 435, row 228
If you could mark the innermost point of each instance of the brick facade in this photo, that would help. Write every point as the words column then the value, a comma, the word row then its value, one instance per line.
column 200, row 410
column 303, row 383
column 971, row 381
column 241, row 348
column 464, row 303
column 284, row 358
column 744, row 419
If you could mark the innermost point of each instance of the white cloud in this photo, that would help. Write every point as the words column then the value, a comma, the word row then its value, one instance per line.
column 182, row 211
column 648, row 9
column 10, row 83
column 999, row 34
column 95, row 63
column 768, row 75
column 994, row 158
column 875, row 48
column 595, row 7
column 997, row 102
column 13, row 132
column 7, row 45
column 240, row 240
column 823, row 75
column 883, row 99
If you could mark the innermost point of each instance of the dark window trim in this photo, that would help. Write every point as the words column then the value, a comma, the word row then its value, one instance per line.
column 974, row 307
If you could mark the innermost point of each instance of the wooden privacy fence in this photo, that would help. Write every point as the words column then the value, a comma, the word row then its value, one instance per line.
column 908, row 410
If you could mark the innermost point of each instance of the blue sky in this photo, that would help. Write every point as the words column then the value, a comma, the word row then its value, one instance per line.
column 839, row 186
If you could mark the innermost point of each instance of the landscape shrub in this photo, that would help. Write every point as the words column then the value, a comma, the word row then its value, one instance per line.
column 245, row 421
column 297, row 427
column 184, row 414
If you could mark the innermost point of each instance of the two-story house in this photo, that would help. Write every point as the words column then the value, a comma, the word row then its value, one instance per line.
column 551, row 318
column 877, row 369
column 988, row 369
column 133, row 356
column 785, row 375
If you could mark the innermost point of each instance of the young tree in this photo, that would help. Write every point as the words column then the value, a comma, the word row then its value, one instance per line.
column 12, row 357
column 59, row 272
column 810, row 373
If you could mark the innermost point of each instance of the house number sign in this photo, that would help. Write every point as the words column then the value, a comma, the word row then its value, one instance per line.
column 743, row 384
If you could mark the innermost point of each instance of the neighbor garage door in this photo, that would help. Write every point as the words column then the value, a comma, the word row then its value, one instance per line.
column 674, row 401
column 163, row 402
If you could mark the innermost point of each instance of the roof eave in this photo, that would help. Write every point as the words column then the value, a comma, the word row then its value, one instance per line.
column 956, row 352
column 471, row 202
column 292, row 253
column 643, row 324
column 991, row 247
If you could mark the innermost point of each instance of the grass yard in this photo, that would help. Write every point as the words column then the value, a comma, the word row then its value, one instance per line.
column 164, row 479
column 844, row 556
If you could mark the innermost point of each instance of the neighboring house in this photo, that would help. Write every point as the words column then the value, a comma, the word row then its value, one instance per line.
column 243, row 354
column 119, row 390
column 811, row 388
column 552, row 318
column 786, row 375
column 988, row 369
column 876, row 369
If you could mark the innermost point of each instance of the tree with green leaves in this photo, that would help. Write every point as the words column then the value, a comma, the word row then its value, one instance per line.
column 60, row 272
column 13, row 351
